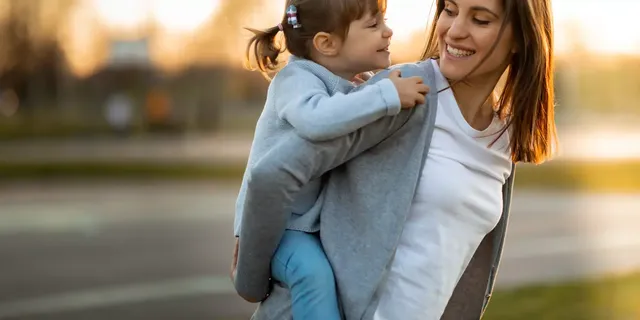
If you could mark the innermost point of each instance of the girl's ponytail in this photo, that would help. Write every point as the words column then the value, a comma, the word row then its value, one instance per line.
column 265, row 50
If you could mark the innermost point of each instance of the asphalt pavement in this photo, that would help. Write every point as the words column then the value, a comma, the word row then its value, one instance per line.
column 161, row 250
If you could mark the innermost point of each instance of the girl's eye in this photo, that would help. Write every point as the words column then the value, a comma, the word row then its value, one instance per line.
column 480, row 22
column 449, row 12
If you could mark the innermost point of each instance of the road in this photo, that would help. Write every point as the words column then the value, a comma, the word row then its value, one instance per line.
column 142, row 250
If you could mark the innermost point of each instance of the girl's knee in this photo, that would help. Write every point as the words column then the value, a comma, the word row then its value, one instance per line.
column 317, row 273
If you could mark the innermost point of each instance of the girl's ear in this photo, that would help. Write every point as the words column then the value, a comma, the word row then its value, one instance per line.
column 327, row 44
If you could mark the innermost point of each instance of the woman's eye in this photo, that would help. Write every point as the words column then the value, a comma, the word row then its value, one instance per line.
column 480, row 22
column 449, row 12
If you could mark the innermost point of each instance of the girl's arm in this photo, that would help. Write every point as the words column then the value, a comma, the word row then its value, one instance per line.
column 303, row 101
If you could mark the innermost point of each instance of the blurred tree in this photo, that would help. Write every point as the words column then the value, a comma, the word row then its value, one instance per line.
column 30, row 54
column 220, row 81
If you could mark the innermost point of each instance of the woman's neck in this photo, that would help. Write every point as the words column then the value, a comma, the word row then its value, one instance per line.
column 473, row 100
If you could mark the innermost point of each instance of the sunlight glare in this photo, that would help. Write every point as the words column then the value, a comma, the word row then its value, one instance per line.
column 612, row 30
column 121, row 13
column 185, row 15
column 406, row 17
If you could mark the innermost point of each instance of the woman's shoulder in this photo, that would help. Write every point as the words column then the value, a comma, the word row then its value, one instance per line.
column 422, row 69
column 419, row 67
column 423, row 65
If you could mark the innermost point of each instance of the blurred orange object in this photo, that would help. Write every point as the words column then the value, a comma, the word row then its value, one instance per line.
column 157, row 106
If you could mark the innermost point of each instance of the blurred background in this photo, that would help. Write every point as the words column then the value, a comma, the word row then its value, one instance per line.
column 125, row 127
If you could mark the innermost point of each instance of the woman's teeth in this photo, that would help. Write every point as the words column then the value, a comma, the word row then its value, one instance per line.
column 459, row 52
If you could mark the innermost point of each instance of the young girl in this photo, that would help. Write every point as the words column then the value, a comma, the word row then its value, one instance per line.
column 330, row 41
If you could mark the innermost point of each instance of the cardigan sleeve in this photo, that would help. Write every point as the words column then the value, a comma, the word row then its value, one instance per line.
column 302, row 100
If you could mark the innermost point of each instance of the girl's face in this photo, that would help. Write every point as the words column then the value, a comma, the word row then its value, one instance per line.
column 466, row 31
column 366, row 46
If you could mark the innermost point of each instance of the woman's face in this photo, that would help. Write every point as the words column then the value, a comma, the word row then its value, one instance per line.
column 466, row 30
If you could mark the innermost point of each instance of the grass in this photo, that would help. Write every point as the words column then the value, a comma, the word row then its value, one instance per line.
column 623, row 176
column 611, row 298
column 615, row 176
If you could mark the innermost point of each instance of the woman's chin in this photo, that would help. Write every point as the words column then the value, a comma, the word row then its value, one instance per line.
column 453, row 74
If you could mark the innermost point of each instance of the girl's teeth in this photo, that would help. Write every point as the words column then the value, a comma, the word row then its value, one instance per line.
column 459, row 52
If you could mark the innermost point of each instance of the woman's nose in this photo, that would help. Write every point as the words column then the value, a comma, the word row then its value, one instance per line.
column 458, row 29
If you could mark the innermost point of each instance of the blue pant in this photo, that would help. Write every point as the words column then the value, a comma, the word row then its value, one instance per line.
column 301, row 265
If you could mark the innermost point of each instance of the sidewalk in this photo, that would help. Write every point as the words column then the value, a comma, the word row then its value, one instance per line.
column 211, row 150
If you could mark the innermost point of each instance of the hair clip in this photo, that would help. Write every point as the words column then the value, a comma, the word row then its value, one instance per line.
column 292, row 17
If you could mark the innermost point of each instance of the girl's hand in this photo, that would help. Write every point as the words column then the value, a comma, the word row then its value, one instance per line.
column 362, row 77
column 411, row 90
column 234, row 260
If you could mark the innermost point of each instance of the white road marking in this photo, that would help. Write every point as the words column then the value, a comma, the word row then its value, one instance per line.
column 571, row 244
column 113, row 296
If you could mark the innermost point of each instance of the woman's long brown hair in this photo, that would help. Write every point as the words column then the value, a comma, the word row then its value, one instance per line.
column 527, row 100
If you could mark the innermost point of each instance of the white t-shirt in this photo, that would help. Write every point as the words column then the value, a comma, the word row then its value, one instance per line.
column 458, row 201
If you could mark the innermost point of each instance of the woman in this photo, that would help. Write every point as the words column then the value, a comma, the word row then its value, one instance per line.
column 414, row 225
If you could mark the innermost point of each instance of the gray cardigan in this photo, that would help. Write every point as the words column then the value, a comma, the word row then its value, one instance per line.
column 306, row 99
column 364, row 204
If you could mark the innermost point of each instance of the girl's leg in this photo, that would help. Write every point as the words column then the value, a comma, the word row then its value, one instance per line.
column 300, row 263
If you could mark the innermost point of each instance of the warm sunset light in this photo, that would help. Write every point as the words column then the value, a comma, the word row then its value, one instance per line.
column 171, row 15
column 579, row 24
column 605, row 27
column 601, row 32
column 406, row 17
column 121, row 13
column 184, row 15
